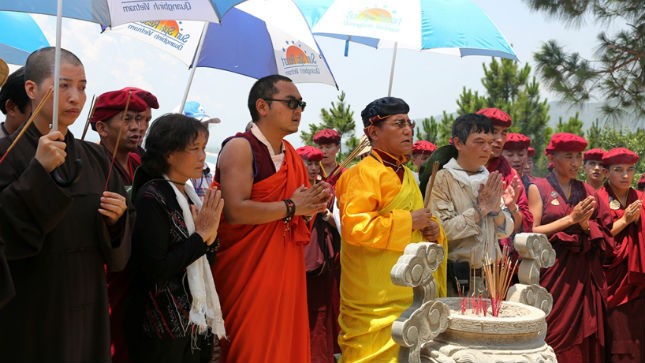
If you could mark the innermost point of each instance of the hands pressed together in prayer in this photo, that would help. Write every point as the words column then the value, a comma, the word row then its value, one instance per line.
column 422, row 221
column 512, row 192
column 633, row 211
column 490, row 194
column 208, row 217
column 310, row 201
column 583, row 211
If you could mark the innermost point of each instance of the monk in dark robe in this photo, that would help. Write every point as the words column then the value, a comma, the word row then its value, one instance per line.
column 566, row 210
column 59, row 232
column 625, row 272
column 7, row 290
column 260, row 267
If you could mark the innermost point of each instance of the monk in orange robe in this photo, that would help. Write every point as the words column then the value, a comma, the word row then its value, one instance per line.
column 259, row 269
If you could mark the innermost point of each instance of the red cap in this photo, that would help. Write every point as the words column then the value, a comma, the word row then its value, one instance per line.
column 594, row 154
column 423, row 147
column 148, row 97
column 619, row 155
column 327, row 136
column 310, row 153
column 564, row 141
column 497, row 116
column 111, row 103
column 531, row 152
column 515, row 141
column 641, row 182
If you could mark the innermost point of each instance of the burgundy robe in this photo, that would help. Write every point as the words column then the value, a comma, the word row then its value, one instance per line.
column 576, row 282
column 625, row 273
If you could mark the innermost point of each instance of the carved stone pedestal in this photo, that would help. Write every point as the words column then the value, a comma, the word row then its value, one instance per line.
column 435, row 330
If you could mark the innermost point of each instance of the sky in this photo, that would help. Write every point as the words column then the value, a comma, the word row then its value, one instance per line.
column 430, row 83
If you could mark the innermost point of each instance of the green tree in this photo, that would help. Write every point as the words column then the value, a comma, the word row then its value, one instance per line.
column 573, row 125
column 437, row 132
column 339, row 117
column 617, row 73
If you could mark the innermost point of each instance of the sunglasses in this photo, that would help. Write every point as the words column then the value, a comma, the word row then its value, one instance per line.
column 292, row 102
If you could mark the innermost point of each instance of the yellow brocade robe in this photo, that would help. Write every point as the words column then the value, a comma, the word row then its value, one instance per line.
column 376, row 227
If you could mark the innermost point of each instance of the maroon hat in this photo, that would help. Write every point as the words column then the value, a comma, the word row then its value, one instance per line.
column 496, row 116
column 564, row 141
column 641, row 182
column 423, row 147
column 327, row 136
column 148, row 97
column 619, row 155
column 515, row 141
column 531, row 152
column 310, row 153
column 111, row 103
column 594, row 154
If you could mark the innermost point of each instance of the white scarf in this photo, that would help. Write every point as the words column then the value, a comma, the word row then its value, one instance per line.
column 205, row 310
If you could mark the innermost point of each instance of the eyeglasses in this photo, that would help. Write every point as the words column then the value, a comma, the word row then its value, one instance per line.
column 292, row 102
column 403, row 123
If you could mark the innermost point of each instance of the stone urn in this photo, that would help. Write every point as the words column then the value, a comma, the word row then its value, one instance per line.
column 438, row 330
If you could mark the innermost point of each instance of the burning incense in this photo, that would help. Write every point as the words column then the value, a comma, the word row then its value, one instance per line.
column 498, row 279
column 361, row 145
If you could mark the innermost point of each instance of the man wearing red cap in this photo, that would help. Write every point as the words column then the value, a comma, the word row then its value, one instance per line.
column 62, row 220
column 594, row 171
column 515, row 151
column 328, row 140
column 625, row 271
column 322, row 262
column 519, row 206
column 144, row 116
column 120, row 134
column 578, row 228
column 260, row 269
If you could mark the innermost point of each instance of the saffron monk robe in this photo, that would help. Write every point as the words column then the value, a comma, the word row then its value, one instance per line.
column 381, row 213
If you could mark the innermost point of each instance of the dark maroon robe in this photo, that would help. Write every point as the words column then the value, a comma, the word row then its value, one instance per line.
column 576, row 281
column 57, row 244
column 625, row 273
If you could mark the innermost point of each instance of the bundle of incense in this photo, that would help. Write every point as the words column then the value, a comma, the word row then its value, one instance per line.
column 498, row 279
column 361, row 145
column 28, row 123
column 435, row 167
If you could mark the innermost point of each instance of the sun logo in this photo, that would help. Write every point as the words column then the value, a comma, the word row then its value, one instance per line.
column 377, row 15
column 293, row 54
column 168, row 27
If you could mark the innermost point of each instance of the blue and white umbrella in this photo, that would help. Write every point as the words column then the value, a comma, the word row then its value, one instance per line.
column 456, row 27
column 19, row 36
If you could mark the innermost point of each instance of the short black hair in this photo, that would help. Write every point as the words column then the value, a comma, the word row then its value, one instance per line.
column 263, row 88
column 40, row 63
column 471, row 123
column 14, row 90
column 168, row 133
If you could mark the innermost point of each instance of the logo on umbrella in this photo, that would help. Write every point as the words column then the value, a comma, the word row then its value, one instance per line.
column 377, row 18
column 167, row 32
column 296, row 61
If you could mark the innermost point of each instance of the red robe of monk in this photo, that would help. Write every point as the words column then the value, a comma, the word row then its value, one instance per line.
column 625, row 273
column 259, row 271
column 502, row 165
column 576, row 282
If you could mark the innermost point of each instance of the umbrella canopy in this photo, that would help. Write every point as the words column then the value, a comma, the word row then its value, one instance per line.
column 456, row 27
column 19, row 37
column 115, row 12
column 257, row 38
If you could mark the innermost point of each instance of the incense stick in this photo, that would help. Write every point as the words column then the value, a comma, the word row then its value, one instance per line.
column 89, row 116
column 28, row 123
column 361, row 145
column 118, row 138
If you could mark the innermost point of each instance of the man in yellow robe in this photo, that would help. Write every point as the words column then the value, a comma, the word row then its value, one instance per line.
column 382, row 212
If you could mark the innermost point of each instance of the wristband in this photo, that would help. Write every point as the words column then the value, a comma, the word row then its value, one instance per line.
column 291, row 209
column 495, row 214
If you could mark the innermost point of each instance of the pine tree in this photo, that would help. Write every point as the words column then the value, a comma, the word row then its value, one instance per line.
column 573, row 125
column 339, row 117
column 618, row 72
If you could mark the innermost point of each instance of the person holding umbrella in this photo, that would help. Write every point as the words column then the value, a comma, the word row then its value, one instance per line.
column 62, row 220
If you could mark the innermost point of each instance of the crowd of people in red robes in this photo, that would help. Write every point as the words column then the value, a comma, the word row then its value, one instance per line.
column 108, row 252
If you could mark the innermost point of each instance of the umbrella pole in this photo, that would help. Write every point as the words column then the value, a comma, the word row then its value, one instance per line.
column 389, row 89
column 194, row 67
column 59, row 25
